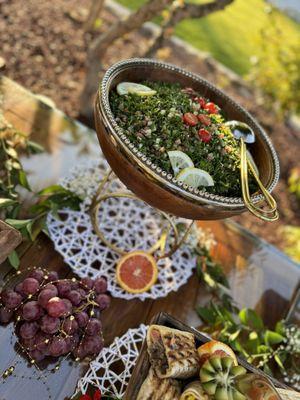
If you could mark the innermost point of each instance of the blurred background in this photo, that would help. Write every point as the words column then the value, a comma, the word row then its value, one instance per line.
column 59, row 49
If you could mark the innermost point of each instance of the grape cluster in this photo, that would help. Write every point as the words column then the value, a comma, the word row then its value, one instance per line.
column 55, row 317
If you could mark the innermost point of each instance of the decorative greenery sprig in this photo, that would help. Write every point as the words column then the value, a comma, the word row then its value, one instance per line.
column 12, row 177
column 243, row 329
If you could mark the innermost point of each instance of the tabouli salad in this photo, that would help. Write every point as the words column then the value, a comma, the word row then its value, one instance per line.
column 182, row 132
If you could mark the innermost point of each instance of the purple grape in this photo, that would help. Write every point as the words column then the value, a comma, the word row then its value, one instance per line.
column 5, row 315
column 19, row 289
column 57, row 347
column 74, row 285
column 82, row 292
column 37, row 274
column 45, row 295
column 11, row 299
column 29, row 344
column 5, row 293
column 28, row 330
column 30, row 286
column 82, row 318
column 49, row 324
column 40, row 341
column 69, row 307
column 31, row 311
column 36, row 355
column 52, row 276
column 74, row 296
column 92, row 344
column 103, row 300
column 69, row 344
column 70, row 326
column 63, row 287
column 100, row 285
column 51, row 287
column 87, row 283
column 75, row 339
column 79, row 352
column 93, row 327
column 56, row 307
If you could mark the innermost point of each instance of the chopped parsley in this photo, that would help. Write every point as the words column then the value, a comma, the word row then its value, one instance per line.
column 157, row 124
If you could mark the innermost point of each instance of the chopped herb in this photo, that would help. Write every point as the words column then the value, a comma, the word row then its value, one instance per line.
column 180, row 119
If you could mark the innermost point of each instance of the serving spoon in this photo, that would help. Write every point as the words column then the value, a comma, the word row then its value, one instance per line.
column 245, row 134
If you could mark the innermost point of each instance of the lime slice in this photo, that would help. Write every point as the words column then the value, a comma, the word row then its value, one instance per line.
column 131, row 87
column 251, row 159
column 179, row 160
column 195, row 177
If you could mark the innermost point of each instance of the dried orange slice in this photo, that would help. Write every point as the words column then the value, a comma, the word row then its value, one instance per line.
column 137, row 272
column 217, row 349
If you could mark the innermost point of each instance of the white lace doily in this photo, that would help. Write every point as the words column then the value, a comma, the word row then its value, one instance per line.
column 112, row 369
column 129, row 224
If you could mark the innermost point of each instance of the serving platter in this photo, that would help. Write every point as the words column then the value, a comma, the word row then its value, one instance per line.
column 142, row 366
column 151, row 183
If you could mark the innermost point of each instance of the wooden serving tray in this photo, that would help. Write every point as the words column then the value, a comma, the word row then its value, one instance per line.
column 142, row 366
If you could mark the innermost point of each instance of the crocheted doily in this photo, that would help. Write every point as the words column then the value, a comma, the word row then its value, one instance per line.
column 129, row 224
column 112, row 369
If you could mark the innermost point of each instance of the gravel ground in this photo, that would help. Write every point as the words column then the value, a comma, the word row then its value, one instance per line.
column 45, row 46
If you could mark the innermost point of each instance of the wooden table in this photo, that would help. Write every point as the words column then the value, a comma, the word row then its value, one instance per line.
column 260, row 276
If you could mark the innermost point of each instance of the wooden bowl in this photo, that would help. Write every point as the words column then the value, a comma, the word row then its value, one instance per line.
column 151, row 183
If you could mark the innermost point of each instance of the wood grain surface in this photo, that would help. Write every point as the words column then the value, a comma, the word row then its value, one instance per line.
column 260, row 276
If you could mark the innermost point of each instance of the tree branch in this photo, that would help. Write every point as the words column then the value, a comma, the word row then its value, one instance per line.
column 94, row 13
column 188, row 10
column 100, row 45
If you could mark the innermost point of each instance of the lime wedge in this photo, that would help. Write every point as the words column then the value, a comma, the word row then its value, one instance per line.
column 195, row 177
column 179, row 160
column 131, row 87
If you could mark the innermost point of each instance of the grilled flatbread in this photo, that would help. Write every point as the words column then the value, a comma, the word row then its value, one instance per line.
column 154, row 388
column 194, row 391
column 172, row 352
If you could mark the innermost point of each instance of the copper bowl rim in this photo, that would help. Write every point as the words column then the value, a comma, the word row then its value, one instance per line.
column 146, row 165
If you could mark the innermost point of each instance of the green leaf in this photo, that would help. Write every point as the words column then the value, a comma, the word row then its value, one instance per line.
column 271, row 337
column 250, row 318
column 16, row 165
column 206, row 314
column 234, row 335
column 35, row 227
column 280, row 328
column 17, row 223
column 11, row 152
column 52, row 189
column 34, row 147
column 14, row 260
column 208, row 280
column 262, row 348
column 253, row 335
column 23, row 180
column 278, row 360
column 6, row 202
column 267, row 370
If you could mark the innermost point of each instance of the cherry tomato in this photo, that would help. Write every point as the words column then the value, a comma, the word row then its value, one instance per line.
column 201, row 101
column 204, row 119
column 190, row 119
column 204, row 135
column 211, row 108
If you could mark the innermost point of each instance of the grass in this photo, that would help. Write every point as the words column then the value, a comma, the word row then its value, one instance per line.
column 232, row 36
